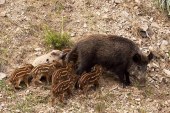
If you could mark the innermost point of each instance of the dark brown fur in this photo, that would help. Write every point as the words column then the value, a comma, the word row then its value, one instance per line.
column 114, row 53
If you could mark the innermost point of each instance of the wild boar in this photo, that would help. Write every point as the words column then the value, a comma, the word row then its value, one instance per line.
column 115, row 53
column 48, row 58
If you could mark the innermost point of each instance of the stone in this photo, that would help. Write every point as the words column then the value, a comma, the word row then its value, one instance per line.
column 106, row 9
column 38, row 53
column 73, row 34
column 164, row 44
column 98, row 13
column 38, row 49
column 138, row 99
column 154, row 24
column 27, row 92
column 167, row 72
column 124, row 13
column 144, row 27
column 118, row 1
column 2, row 2
column 2, row 75
column 17, row 111
column 3, row 14
column 137, row 1
column 105, row 16
column 85, row 25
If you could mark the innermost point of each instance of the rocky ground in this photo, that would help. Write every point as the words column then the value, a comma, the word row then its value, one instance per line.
column 22, row 24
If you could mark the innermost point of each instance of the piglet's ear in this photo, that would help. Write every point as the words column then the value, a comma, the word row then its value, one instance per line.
column 54, row 53
column 63, row 56
column 150, row 56
column 137, row 58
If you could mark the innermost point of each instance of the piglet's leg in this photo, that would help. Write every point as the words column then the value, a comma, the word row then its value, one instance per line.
column 61, row 98
column 48, row 77
column 52, row 99
column 18, row 83
column 26, row 81
column 69, row 92
column 96, row 84
column 37, row 79
column 85, row 88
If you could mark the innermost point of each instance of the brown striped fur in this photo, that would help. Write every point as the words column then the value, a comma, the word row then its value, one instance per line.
column 91, row 78
column 46, row 70
column 60, row 89
column 20, row 74
column 62, row 73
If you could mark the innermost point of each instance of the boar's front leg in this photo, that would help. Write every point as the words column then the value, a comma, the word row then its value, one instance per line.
column 127, row 82
column 85, row 64
column 122, row 77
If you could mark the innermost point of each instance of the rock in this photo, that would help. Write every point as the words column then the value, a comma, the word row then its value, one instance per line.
column 167, row 72
column 73, row 34
column 3, row 14
column 98, row 13
column 137, row 1
column 154, row 24
column 17, row 111
column 105, row 16
column 164, row 44
column 38, row 53
column 27, row 92
column 156, row 65
column 124, row 13
column 1, row 108
column 38, row 49
column 85, row 25
column 2, row 75
column 2, row 2
column 144, row 27
column 106, row 9
column 118, row 1
column 143, row 32
column 138, row 99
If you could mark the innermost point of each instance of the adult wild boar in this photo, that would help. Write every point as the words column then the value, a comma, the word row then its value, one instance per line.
column 117, row 54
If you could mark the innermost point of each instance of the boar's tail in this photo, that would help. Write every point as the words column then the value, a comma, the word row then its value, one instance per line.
column 72, row 55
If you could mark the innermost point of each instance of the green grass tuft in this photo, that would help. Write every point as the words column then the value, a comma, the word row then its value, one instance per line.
column 57, row 40
column 165, row 5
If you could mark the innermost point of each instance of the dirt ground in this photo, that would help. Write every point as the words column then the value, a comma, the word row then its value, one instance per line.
column 22, row 24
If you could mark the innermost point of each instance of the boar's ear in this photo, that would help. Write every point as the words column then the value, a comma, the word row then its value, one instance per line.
column 137, row 58
column 150, row 56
